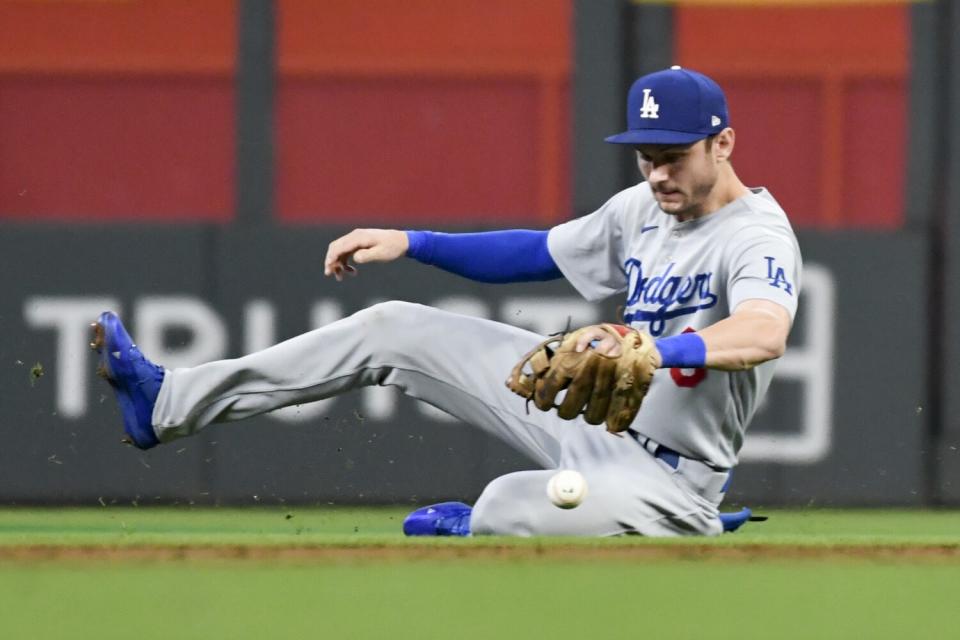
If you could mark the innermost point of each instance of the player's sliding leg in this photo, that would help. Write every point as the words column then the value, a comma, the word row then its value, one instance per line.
column 630, row 492
column 454, row 362
column 517, row 505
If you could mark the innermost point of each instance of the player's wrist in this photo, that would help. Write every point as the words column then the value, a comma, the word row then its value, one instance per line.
column 684, row 351
column 420, row 245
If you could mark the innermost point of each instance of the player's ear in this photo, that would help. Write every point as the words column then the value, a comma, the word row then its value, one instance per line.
column 723, row 144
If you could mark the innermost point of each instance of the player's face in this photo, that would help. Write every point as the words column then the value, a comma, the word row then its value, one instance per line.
column 682, row 177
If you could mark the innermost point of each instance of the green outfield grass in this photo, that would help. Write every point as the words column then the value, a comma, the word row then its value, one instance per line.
column 382, row 525
column 349, row 573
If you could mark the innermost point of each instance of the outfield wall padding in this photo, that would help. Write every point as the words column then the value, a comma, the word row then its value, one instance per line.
column 843, row 424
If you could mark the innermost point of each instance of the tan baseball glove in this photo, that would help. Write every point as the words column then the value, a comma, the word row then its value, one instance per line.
column 602, row 388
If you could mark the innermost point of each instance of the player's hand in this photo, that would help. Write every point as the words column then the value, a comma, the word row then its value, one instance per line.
column 599, row 340
column 362, row 246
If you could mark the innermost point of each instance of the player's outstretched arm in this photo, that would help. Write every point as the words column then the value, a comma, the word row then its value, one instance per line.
column 755, row 333
column 515, row 255
column 362, row 246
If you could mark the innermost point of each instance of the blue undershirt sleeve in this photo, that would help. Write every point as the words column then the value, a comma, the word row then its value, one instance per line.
column 684, row 350
column 516, row 255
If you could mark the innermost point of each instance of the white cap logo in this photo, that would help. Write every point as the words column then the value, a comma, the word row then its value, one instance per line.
column 714, row 121
column 649, row 108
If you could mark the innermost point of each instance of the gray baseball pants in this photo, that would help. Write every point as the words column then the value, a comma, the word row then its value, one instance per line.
column 458, row 364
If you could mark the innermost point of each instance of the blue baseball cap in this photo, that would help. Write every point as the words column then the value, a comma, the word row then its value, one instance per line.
column 673, row 106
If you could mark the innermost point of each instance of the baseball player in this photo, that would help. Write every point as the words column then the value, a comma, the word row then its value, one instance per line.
column 709, row 268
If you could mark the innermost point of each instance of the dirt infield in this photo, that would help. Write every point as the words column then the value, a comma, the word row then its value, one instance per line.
column 377, row 553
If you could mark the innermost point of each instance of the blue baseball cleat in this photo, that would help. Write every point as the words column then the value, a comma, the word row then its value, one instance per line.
column 135, row 380
column 444, row 519
column 733, row 521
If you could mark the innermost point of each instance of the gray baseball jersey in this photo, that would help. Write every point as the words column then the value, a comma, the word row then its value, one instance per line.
column 682, row 276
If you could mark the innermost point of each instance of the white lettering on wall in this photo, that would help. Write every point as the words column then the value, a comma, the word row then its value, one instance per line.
column 155, row 315
column 70, row 318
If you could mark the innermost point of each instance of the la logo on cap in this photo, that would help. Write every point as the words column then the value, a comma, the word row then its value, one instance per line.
column 649, row 108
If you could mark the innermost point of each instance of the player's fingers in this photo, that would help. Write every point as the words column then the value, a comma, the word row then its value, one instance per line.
column 341, row 270
column 332, row 268
column 335, row 257
column 588, row 336
column 340, row 251
column 608, row 346
column 584, row 341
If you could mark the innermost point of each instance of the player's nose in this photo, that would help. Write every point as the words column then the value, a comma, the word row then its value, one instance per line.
column 658, row 174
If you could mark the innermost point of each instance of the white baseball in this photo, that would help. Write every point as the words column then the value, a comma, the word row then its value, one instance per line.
column 567, row 489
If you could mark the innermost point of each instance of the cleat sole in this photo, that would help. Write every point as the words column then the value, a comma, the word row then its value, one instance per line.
column 97, row 343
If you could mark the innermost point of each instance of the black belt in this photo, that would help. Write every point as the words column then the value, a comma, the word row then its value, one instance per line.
column 668, row 455
column 671, row 457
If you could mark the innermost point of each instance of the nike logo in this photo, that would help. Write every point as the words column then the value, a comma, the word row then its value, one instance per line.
column 650, row 228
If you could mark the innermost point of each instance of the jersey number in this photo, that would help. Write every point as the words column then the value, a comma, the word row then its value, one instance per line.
column 687, row 378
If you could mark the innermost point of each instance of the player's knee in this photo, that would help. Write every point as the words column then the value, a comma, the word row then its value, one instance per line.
column 388, row 319
column 384, row 315
column 499, row 511
column 391, row 328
